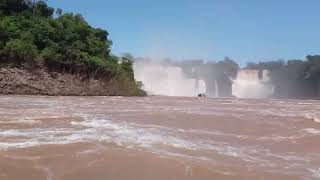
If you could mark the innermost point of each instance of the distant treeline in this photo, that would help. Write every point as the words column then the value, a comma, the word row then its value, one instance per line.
column 31, row 32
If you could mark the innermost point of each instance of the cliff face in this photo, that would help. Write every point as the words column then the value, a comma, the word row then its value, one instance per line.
column 40, row 81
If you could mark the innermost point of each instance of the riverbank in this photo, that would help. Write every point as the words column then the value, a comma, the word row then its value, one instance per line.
column 27, row 80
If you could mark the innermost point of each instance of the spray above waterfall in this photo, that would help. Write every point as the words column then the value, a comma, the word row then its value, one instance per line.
column 252, row 84
column 165, row 79
column 185, row 78
column 216, row 86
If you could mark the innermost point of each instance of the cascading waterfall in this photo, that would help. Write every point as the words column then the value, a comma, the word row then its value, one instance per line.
column 170, row 80
column 216, row 88
column 249, row 85
column 197, row 84
column 200, row 86
column 161, row 79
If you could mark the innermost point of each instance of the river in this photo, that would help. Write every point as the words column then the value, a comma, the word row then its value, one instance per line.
column 158, row 138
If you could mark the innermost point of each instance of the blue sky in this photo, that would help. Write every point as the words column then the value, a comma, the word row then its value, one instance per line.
column 244, row 30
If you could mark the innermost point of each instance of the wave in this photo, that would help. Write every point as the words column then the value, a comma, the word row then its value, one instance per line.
column 312, row 130
column 164, row 141
column 313, row 116
column 161, row 140
column 315, row 172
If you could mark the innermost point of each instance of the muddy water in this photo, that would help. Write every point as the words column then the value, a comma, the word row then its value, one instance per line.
column 158, row 138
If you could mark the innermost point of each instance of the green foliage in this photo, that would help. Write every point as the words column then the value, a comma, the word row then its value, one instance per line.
column 42, row 9
column 51, row 54
column 126, row 65
column 313, row 66
column 313, row 59
column 2, row 6
column 229, row 67
column 270, row 65
column 59, row 12
column 20, row 50
column 69, row 36
column 10, row 27
column 4, row 37
column 12, row 7
column 28, row 31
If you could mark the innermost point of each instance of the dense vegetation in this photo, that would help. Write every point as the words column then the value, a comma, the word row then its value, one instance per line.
column 32, row 32
column 294, row 78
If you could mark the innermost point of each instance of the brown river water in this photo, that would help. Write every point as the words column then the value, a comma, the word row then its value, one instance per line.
column 158, row 138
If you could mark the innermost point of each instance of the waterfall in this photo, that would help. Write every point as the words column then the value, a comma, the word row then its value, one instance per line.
column 197, row 84
column 216, row 91
column 167, row 80
column 248, row 85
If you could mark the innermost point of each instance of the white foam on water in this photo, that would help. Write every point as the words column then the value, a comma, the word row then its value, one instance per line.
column 127, row 134
column 315, row 172
column 154, row 138
column 312, row 130
column 130, row 135
column 20, row 121
column 313, row 116
column 121, row 133
column 12, row 133
column 281, row 138
column 290, row 157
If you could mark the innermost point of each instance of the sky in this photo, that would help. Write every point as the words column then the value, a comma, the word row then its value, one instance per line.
column 244, row 30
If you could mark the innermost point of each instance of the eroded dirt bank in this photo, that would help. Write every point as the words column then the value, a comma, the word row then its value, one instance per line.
column 28, row 81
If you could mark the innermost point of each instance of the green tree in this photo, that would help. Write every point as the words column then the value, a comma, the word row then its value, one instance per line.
column 313, row 68
column 20, row 50
column 3, row 37
column 59, row 11
column 13, row 7
column 126, row 65
column 42, row 9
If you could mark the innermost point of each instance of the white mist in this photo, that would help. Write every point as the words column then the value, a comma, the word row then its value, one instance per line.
column 248, row 85
column 163, row 79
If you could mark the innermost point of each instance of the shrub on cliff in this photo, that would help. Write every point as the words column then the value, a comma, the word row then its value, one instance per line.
column 20, row 50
